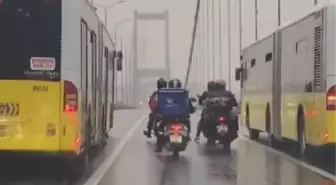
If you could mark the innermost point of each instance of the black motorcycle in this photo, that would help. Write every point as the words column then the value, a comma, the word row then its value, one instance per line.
column 173, row 135
column 216, row 128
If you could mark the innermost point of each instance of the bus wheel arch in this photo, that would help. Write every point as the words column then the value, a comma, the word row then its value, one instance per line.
column 301, row 138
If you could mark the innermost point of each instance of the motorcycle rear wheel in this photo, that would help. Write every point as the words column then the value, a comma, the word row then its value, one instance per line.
column 227, row 147
column 175, row 153
column 211, row 141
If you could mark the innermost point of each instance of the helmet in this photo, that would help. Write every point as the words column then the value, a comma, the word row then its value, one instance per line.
column 211, row 85
column 221, row 84
column 161, row 83
column 174, row 83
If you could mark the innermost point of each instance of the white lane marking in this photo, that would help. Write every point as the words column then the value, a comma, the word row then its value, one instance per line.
column 293, row 160
column 107, row 163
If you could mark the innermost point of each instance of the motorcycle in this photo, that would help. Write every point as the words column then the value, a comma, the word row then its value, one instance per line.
column 216, row 128
column 174, row 136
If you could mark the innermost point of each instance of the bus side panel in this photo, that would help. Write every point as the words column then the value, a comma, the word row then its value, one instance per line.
column 258, row 85
column 72, row 54
column 29, row 113
column 330, row 69
column 298, row 87
column 108, row 83
column 70, row 126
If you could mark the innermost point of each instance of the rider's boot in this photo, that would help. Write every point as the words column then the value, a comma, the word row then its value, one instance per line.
column 158, row 145
column 148, row 133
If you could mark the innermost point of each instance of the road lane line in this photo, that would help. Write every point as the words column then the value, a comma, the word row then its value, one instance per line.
column 293, row 160
column 107, row 163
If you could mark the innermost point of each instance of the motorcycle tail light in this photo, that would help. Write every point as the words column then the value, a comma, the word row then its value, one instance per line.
column 222, row 118
column 176, row 127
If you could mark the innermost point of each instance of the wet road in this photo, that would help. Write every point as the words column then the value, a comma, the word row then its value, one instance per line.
column 248, row 164
column 43, row 171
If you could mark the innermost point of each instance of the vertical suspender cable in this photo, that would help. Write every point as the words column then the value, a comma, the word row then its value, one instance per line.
column 192, row 42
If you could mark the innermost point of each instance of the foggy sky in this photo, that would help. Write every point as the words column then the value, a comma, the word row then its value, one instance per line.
column 181, row 22
column 151, row 32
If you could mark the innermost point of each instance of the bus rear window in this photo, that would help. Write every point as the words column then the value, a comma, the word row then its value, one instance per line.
column 30, row 39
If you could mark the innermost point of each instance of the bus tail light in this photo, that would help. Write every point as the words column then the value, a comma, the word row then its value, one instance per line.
column 331, row 98
column 70, row 97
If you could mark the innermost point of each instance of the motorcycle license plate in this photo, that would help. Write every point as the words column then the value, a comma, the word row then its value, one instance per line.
column 175, row 138
column 222, row 128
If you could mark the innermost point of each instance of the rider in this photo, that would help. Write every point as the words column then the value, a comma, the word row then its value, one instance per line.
column 176, row 83
column 161, row 83
column 221, row 91
column 211, row 86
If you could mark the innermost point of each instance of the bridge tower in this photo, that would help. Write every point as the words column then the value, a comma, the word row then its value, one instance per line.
column 139, row 73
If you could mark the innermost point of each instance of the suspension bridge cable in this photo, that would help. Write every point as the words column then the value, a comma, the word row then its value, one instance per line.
column 193, row 38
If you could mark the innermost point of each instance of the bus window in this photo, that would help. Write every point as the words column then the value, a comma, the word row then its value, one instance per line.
column 253, row 62
column 30, row 29
column 268, row 57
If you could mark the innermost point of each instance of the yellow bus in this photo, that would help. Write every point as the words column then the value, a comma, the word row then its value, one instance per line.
column 288, row 84
column 56, row 79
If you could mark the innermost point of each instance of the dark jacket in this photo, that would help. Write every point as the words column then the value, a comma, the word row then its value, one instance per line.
column 192, row 109
column 202, row 97
column 224, row 93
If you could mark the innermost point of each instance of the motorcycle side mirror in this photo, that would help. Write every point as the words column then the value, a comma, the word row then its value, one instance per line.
column 192, row 99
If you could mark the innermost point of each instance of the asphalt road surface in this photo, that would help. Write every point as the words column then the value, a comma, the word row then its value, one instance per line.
column 129, row 158
column 19, row 170
column 248, row 163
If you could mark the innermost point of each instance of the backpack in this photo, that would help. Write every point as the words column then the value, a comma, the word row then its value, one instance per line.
column 153, row 101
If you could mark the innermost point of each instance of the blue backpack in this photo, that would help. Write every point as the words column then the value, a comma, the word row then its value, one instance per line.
column 173, row 102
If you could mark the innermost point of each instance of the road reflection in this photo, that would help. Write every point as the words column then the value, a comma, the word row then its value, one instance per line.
column 258, row 166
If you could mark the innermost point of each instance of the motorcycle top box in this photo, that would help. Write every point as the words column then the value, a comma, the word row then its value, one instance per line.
column 173, row 102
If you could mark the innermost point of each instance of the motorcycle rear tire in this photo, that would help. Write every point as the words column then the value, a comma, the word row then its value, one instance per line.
column 175, row 153
column 227, row 146
column 211, row 141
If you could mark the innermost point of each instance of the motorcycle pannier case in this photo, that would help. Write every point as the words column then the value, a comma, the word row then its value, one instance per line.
column 173, row 102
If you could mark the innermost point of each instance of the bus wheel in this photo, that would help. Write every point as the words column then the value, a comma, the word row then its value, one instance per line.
column 79, row 165
column 301, row 135
column 254, row 134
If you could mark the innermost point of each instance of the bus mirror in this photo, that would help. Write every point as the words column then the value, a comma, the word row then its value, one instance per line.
column 238, row 74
